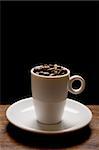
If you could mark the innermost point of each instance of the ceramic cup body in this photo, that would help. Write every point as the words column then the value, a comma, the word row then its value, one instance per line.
column 49, row 95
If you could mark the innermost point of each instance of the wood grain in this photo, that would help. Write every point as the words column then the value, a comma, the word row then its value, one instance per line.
column 12, row 138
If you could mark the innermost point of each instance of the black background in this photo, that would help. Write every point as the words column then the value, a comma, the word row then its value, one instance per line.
column 43, row 32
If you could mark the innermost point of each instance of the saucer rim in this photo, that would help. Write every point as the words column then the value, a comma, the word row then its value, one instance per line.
column 74, row 128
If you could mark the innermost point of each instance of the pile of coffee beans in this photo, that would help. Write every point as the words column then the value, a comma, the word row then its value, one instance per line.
column 50, row 70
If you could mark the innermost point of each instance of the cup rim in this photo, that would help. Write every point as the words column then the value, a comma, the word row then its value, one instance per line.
column 51, row 77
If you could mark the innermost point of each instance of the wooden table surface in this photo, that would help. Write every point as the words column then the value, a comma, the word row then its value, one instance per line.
column 13, row 138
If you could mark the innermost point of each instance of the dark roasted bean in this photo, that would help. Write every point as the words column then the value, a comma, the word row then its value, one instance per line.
column 50, row 70
column 41, row 73
column 58, row 67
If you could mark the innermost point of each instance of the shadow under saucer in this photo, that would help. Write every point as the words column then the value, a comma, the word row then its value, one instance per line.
column 37, row 140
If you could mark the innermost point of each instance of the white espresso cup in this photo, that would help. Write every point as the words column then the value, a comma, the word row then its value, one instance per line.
column 50, row 93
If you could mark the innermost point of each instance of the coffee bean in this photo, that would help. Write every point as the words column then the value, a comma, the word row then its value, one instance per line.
column 34, row 70
column 37, row 72
column 46, row 73
column 38, row 68
column 55, row 66
column 52, row 74
column 55, row 71
column 65, row 71
column 58, row 67
column 50, row 70
column 59, row 72
column 46, row 66
column 41, row 73
column 51, row 65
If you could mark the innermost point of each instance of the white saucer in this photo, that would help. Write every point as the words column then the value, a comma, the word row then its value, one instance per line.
column 22, row 115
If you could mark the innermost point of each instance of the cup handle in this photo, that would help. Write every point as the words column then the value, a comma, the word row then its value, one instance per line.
column 76, row 78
